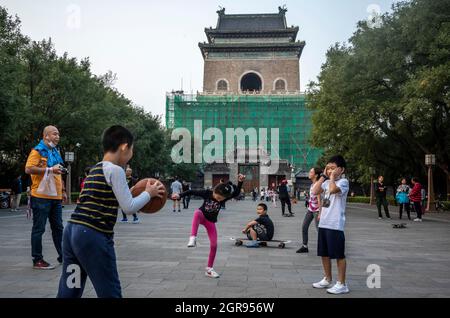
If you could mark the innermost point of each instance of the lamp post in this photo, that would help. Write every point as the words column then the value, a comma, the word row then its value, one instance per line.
column 430, row 161
column 372, row 194
column 69, row 158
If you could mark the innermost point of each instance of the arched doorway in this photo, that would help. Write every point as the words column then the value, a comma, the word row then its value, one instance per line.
column 251, row 82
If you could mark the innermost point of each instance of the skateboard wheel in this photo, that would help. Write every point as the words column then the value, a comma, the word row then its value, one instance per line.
column 281, row 245
column 263, row 244
column 238, row 243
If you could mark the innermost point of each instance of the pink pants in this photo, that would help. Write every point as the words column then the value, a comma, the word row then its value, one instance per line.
column 210, row 227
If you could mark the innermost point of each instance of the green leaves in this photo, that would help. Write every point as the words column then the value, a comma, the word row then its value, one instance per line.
column 383, row 99
column 39, row 88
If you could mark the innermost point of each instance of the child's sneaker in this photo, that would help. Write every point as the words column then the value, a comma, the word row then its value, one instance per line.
column 324, row 283
column 136, row 220
column 338, row 289
column 192, row 241
column 252, row 244
column 124, row 220
column 417, row 220
column 210, row 272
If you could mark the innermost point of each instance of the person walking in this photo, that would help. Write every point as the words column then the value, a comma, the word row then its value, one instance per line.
column 283, row 194
column 16, row 193
column 380, row 190
column 187, row 198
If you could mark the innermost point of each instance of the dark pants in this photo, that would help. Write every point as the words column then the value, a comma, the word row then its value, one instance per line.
column 44, row 209
column 309, row 216
column 285, row 201
column 382, row 201
column 407, row 208
column 92, row 255
column 186, row 200
column 125, row 216
column 418, row 208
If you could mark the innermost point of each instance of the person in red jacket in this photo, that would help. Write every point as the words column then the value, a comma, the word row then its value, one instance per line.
column 415, row 196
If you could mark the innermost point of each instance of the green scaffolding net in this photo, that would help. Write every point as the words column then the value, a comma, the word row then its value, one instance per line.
column 288, row 113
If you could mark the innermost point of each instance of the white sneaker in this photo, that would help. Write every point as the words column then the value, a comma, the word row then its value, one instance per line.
column 324, row 283
column 210, row 272
column 338, row 289
column 417, row 220
column 192, row 241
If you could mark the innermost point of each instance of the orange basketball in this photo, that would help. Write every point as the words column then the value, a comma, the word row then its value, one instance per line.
column 155, row 204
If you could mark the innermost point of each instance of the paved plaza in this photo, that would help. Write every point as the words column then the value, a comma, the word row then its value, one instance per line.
column 153, row 259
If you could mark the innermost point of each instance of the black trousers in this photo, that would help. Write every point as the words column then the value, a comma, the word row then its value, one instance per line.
column 285, row 201
column 407, row 208
column 382, row 201
column 418, row 208
column 186, row 200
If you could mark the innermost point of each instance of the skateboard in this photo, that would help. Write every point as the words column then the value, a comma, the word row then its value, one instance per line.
column 399, row 226
column 240, row 241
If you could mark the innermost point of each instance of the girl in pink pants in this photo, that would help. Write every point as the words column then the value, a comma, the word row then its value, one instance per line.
column 207, row 214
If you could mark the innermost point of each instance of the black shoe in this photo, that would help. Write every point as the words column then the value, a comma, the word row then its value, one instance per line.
column 59, row 259
column 303, row 249
column 292, row 214
column 179, row 210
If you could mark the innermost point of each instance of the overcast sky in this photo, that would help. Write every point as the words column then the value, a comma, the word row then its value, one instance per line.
column 152, row 45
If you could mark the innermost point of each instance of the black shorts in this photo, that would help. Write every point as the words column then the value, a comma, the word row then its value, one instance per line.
column 261, row 233
column 331, row 243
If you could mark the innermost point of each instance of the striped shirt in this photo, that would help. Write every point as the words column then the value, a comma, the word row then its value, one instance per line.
column 98, row 204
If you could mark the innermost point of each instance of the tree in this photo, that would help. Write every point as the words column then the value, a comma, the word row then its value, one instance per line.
column 383, row 99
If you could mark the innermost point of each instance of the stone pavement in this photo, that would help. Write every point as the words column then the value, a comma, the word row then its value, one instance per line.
column 153, row 259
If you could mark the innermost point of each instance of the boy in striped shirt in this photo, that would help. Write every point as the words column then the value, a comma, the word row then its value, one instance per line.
column 88, row 246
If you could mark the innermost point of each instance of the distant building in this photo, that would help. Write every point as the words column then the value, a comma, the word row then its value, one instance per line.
column 251, row 80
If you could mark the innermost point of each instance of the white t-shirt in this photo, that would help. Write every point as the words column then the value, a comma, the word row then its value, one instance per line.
column 333, row 217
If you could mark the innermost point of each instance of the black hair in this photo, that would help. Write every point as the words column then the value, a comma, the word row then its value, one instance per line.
column 317, row 171
column 115, row 136
column 224, row 189
column 415, row 179
column 338, row 160
column 263, row 205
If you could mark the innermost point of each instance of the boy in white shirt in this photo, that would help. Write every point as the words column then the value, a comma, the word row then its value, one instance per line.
column 331, row 242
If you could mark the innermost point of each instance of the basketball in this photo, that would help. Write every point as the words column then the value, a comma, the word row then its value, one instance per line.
column 155, row 204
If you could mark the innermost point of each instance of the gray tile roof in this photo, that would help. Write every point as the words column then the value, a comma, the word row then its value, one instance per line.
column 251, row 22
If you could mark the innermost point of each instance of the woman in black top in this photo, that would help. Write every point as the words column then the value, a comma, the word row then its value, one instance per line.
column 207, row 215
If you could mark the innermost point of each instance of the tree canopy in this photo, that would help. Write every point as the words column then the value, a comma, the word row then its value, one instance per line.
column 40, row 88
column 382, row 99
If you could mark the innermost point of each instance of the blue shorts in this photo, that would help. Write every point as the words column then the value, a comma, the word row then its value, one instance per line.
column 331, row 243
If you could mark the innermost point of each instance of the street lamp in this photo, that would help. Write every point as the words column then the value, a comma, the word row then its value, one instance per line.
column 372, row 194
column 430, row 161
column 69, row 158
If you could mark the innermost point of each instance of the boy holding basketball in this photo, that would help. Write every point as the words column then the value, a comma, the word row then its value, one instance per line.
column 88, row 246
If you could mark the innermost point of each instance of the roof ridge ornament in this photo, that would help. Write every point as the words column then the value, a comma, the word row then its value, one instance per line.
column 221, row 11
column 282, row 10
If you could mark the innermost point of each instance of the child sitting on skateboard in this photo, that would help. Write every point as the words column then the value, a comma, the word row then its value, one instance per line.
column 261, row 229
